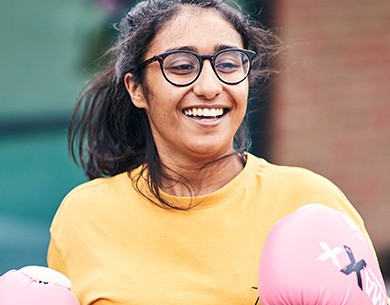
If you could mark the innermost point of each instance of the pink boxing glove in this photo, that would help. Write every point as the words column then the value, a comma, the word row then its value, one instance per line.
column 318, row 256
column 35, row 285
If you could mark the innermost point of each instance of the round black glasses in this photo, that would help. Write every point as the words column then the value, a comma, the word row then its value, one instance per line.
column 182, row 67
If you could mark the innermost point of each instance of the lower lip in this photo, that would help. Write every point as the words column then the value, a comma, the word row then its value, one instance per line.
column 208, row 122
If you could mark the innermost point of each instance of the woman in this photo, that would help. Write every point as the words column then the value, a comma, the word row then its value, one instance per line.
column 179, row 211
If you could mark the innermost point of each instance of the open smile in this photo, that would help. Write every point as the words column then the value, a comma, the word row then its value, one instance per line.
column 205, row 113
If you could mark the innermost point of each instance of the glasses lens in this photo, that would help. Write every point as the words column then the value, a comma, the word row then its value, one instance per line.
column 181, row 68
column 232, row 66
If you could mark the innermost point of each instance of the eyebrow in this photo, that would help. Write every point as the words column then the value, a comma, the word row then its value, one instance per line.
column 194, row 49
column 221, row 47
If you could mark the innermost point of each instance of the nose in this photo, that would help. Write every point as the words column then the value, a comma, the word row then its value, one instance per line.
column 207, row 85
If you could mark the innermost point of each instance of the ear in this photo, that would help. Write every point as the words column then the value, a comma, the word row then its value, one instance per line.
column 135, row 91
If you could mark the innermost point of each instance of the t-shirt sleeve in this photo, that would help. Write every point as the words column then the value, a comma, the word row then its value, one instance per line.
column 314, row 188
column 55, row 259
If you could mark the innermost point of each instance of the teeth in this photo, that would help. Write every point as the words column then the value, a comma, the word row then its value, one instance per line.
column 204, row 112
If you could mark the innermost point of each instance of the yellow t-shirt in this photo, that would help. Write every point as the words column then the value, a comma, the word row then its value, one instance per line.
column 118, row 248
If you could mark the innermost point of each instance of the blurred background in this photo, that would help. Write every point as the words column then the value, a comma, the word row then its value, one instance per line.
column 327, row 110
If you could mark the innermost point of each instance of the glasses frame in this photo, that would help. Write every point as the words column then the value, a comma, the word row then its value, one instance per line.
column 201, row 58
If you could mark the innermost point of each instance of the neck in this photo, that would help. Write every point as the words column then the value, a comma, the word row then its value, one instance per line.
column 195, row 178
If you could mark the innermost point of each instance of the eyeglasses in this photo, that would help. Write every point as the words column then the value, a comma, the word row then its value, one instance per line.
column 182, row 68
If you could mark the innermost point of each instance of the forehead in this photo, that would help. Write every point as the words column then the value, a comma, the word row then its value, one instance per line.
column 202, row 29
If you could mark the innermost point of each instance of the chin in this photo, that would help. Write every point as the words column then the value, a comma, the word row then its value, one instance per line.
column 210, row 151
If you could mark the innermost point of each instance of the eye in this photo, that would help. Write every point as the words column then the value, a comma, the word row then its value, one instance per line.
column 180, row 68
column 227, row 66
column 228, row 62
column 181, row 64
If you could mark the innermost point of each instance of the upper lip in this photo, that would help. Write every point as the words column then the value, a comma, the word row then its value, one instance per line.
column 208, row 106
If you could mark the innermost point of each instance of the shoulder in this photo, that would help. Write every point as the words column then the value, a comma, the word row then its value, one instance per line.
column 292, row 187
column 292, row 177
column 94, row 197
column 99, row 188
column 295, row 186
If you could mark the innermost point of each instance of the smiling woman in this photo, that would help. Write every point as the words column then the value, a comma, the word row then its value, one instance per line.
column 179, row 105
column 185, row 141
column 177, row 210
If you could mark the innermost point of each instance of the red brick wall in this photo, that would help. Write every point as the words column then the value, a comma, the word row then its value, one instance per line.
column 331, row 103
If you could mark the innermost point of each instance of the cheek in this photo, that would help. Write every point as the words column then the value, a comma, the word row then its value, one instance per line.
column 163, row 104
column 162, row 97
column 241, row 96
